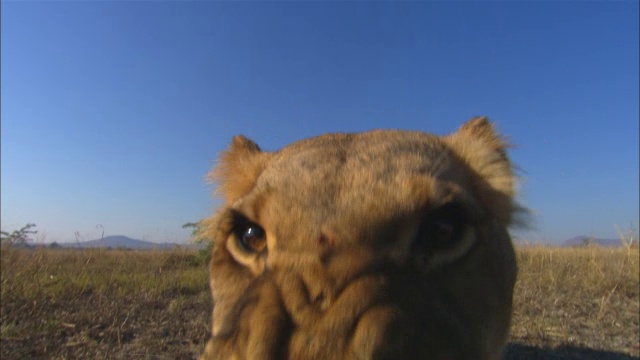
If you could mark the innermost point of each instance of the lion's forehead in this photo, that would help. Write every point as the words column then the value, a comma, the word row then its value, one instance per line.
column 356, row 182
column 349, row 161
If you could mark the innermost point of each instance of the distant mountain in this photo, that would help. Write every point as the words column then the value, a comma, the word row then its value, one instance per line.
column 584, row 240
column 119, row 241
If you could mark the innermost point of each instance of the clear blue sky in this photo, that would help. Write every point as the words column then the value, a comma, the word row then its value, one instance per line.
column 112, row 112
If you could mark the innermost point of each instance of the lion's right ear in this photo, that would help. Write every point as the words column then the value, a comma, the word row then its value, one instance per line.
column 238, row 168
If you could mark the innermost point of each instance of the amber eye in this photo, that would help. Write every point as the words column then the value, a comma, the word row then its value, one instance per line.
column 251, row 237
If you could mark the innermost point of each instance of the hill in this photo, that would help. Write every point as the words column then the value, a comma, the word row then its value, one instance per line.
column 120, row 241
column 584, row 240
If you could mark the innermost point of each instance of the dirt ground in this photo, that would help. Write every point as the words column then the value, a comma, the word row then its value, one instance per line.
column 61, row 304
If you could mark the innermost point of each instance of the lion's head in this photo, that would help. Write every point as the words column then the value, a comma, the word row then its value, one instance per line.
column 382, row 244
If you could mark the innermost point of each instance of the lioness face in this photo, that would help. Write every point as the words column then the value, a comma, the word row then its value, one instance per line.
column 383, row 244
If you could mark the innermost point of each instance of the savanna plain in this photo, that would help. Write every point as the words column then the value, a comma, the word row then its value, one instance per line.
column 569, row 303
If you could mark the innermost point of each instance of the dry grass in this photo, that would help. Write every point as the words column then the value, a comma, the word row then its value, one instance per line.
column 99, row 304
column 584, row 297
column 156, row 305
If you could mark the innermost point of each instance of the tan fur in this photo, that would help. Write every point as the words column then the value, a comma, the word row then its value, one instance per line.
column 238, row 168
column 384, row 244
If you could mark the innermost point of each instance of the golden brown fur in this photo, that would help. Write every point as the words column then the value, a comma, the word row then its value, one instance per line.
column 383, row 244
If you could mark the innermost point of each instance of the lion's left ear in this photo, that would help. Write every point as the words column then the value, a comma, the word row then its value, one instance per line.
column 484, row 151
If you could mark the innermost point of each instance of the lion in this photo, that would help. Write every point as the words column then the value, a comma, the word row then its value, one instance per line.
column 385, row 244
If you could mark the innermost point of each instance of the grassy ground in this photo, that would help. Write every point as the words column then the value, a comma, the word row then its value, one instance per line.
column 575, row 299
column 98, row 304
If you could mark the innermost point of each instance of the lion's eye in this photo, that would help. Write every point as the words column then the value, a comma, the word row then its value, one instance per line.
column 251, row 237
column 442, row 229
column 447, row 225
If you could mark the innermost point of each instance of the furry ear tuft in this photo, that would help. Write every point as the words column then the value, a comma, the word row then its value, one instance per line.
column 482, row 129
column 484, row 150
column 238, row 168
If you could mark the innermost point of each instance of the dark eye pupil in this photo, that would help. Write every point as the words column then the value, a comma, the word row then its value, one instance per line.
column 252, row 233
column 443, row 232
column 441, row 229
column 253, row 238
column 444, row 228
